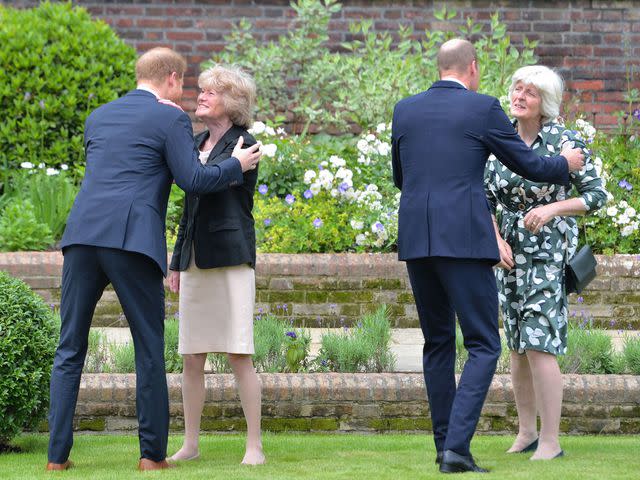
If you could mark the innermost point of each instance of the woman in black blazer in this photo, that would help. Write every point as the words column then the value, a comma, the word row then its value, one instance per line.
column 213, row 262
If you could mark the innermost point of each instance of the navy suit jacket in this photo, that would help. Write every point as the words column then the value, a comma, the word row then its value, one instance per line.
column 135, row 147
column 441, row 140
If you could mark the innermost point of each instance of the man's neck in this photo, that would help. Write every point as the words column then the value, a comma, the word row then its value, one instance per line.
column 450, row 78
column 147, row 87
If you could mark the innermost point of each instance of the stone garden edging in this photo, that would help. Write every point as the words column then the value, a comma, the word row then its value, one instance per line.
column 342, row 402
column 331, row 290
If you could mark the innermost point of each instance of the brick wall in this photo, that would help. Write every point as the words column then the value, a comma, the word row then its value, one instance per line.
column 592, row 42
column 357, row 403
column 336, row 289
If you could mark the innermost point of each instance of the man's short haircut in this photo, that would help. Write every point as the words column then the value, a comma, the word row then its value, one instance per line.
column 549, row 85
column 455, row 55
column 237, row 89
column 158, row 63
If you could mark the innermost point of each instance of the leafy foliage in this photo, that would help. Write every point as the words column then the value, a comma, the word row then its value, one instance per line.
column 21, row 230
column 27, row 345
column 302, row 80
column 57, row 64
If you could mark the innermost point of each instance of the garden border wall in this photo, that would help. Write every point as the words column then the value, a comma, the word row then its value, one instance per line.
column 335, row 402
column 332, row 290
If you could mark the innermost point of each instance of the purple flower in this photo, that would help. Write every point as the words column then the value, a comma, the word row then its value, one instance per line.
column 343, row 187
column 636, row 114
column 308, row 194
column 624, row 184
column 27, row 96
column 290, row 199
column 378, row 227
column 263, row 189
column 292, row 335
column 580, row 300
column 317, row 222
column 267, row 222
column 41, row 103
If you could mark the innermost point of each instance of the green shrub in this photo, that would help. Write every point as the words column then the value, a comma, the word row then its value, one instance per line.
column 20, row 230
column 589, row 351
column 219, row 363
column 364, row 348
column 97, row 360
column 172, row 359
column 57, row 64
column 298, row 76
column 27, row 344
column 123, row 358
column 631, row 354
column 269, row 341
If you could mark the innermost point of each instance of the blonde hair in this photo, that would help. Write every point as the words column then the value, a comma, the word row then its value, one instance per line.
column 237, row 89
column 548, row 83
column 158, row 63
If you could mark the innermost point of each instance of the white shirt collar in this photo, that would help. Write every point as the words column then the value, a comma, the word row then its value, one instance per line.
column 147, row 88
column 453, row 79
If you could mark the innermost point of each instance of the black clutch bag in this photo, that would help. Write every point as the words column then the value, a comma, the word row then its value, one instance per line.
column 580, row 270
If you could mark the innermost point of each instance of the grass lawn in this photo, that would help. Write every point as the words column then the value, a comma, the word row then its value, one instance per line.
column 289, row 456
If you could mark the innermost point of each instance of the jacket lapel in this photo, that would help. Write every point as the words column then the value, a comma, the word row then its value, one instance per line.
column 229, row 137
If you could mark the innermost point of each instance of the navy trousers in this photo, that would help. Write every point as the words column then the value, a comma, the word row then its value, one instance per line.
column 444, row 287
column 137, row 281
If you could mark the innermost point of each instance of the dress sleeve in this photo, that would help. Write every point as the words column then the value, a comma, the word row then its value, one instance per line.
column 587, row 182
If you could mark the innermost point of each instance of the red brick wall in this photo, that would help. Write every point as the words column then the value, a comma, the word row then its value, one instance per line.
column 592, row 42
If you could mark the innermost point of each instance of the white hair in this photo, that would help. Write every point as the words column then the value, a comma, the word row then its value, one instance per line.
column 548, row 83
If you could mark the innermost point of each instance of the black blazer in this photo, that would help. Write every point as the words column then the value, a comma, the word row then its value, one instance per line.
column 219, row 226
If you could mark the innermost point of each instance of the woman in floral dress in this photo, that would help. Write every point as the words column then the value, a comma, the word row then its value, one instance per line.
column 537, row 234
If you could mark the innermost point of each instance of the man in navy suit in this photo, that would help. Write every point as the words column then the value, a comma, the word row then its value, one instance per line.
column 441, row 140
column 135, row 147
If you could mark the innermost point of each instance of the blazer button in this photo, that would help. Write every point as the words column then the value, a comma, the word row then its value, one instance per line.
column 521, row 206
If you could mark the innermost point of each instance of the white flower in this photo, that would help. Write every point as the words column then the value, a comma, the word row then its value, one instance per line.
column 630, row 212
column 269, row 131
column 315, row 188
column 258, row 128
column 41, row 165
column 623, row 219
column 364, row 160
column 52, row 171
column 629, row 229
column 379, row 242
column 360, row 239
column 64, row 166
column 381, row 128
column 309, row 175
column 384, row 148
column 344, row 173
column 269, row 150
column 357, row 224
column 612, row 211
column 336, row 161
column 370, row 137
column 363, row 146
column 27, row 165
column 280, row 131
column 623, row 204
column 325, row 178
column 372, row 188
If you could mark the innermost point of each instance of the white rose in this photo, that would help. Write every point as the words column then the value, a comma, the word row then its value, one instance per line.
column 384, row 148
column 258, row 128
column 64, row 166
column 623, row 219
column 623, row 204
column 309, row 175
column 269, row 150
column 370, row 137
column 269, row 131
column 337, row 161
column 381, row 128
column 363, row 146
column 315, row 188
column 630, row 212
column 27, row 165
column 357, row 224
column 628, row 230
column 52, row 171
column 612, row 211
column 360, row 239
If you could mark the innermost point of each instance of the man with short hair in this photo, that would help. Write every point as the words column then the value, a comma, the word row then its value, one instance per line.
column 135, row 147
column 441, row 140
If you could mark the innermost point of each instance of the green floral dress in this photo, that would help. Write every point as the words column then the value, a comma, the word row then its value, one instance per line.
column 532, row 294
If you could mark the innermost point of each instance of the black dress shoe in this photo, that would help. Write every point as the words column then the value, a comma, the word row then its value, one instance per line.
column 439, row 457
column 529, row 448
column 455, row 463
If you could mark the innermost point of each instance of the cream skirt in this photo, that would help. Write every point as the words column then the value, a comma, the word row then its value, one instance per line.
column 216, row 309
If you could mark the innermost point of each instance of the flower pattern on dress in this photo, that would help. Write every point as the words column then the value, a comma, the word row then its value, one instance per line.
column 532, row 295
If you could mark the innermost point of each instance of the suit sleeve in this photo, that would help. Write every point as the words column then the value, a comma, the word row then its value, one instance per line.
column 395, row 154
column 189, row 173
column 504, row 142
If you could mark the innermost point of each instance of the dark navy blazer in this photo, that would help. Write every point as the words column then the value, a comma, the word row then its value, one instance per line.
column 135, row 147
column 441, row 140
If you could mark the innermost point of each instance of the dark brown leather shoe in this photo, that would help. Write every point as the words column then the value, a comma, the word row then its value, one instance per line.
column 59, row 466
column 148, row 464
